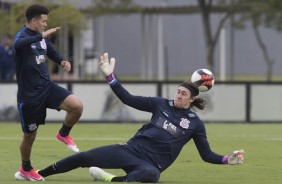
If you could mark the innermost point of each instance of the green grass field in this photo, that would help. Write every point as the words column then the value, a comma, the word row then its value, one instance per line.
column 261, row 142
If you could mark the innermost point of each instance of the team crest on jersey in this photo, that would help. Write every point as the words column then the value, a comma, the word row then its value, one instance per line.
column 32, row 127
column 43, row 44
column 184, row 123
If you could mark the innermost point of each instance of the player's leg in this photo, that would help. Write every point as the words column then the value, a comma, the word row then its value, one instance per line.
column 117, row 156
column 137, row 170
column 26, row 147
column 29, row 114
column 104, row 156
column 60, row 98
column 74, row 108
column 26, row 171
column 111, row 157
column 145, row 173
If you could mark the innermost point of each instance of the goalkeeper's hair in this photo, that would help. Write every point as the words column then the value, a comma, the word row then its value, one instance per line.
column 199, row 103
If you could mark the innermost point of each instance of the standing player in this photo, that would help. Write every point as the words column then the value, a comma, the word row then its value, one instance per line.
column 156, row 145
column 36, row 92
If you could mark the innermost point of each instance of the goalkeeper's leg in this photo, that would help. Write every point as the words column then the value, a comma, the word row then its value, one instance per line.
column 109, row 157
column 144, row 173
column 112, row 156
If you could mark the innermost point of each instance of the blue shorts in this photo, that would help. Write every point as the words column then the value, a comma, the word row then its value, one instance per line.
column 34, row 114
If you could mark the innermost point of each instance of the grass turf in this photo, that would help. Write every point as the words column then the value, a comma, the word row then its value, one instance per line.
column 261, row 142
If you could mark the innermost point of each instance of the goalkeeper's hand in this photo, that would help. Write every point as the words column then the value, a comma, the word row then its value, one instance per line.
column 107, row 67
column 236, row 157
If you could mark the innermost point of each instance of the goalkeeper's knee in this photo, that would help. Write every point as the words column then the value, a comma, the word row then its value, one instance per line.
column 146, row 175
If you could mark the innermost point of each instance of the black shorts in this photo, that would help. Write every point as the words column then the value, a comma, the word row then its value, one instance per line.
column 33, row 114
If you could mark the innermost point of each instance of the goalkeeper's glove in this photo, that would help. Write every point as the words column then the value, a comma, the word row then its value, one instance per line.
column 236, row 157
column 107, row 67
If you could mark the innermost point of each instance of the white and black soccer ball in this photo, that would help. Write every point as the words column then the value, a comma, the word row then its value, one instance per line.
column 204, row 79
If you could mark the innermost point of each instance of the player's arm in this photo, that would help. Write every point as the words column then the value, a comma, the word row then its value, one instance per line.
column 56, row 57
column 137, row 102
column 236, row 157
column 22, row 41
column 202, row 144
column 52, row 53
column 205, row 151
column 50, row 31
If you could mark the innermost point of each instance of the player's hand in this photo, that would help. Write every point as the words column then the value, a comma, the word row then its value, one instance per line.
column 66, row 65
column 236, row 157
column 50, row 31
column 107, row 67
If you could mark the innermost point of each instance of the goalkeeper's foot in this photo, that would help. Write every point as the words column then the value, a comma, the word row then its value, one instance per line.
column 100, row 175
column 31, row 175
column 68, row 141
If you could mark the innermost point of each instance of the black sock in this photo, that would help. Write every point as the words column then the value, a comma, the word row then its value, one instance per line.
column 119, row 179
column 48, row 170
column 65, row 130
column 26, row 165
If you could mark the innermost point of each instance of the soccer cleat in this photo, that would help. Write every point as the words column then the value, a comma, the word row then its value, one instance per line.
column 31, row 175
column 100, row 175
column 68, row 141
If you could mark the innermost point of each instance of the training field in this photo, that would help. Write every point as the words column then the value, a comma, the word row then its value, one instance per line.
column 261, row 142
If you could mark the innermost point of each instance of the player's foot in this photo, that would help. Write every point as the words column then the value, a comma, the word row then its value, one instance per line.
column 31, row 175
column 100, row 175
column 68, row 141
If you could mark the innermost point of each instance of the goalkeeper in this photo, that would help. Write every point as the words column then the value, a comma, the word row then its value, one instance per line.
column 156, row 145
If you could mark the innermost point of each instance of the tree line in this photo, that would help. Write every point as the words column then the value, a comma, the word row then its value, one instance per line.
column 260, row 13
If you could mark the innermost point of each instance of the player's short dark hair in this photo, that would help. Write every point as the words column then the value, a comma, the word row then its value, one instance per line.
column 34, row 11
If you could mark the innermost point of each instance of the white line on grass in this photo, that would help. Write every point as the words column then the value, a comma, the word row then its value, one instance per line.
column 273, row 139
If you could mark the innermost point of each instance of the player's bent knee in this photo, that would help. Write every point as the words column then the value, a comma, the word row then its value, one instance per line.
column 72, row 104
column 76, row 104
column 79, row 107
column 149, row 175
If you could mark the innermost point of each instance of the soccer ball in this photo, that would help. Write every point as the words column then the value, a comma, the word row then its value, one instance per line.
column 204, row 79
